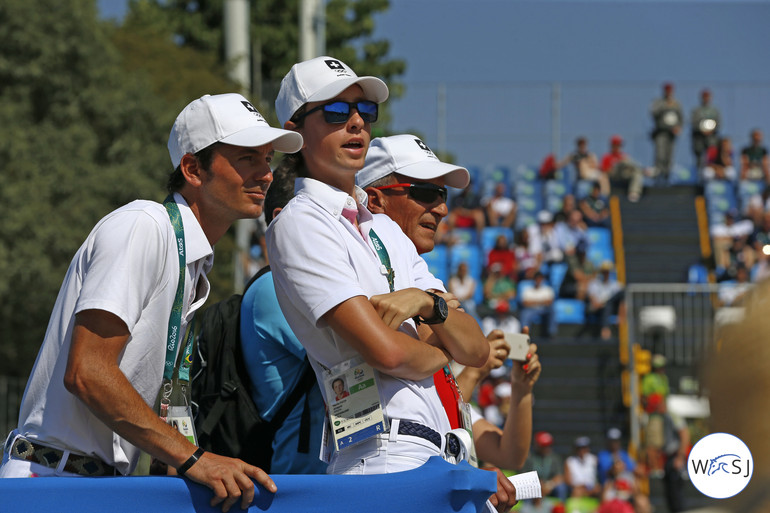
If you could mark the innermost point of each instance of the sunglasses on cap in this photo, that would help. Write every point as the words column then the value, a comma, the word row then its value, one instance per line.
column 339, row 112
column 422, row 192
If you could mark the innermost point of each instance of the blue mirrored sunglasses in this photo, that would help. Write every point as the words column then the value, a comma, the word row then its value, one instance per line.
column 339, row 111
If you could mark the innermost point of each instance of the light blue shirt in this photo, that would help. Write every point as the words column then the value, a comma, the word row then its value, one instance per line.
column 275, row 362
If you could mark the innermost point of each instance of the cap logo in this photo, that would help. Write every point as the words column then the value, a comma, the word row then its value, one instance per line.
column 337, row 66
column 425, row 148
column 252, row 109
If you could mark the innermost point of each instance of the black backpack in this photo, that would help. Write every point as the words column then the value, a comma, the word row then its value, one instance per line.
column 227, row 421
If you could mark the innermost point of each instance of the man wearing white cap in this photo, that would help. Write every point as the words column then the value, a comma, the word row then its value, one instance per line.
column 405, row 180
column 117, row 335
column 352, row 287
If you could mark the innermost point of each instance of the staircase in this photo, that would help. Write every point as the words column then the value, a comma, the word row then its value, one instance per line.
column 660, row 234
column 579, row 390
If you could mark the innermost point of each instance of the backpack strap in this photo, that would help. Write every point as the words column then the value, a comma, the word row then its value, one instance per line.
column 302, row 388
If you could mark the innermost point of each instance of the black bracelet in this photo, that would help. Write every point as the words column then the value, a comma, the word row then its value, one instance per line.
column 190, row 461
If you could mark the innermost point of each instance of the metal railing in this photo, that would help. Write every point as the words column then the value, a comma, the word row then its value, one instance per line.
column 675, row 320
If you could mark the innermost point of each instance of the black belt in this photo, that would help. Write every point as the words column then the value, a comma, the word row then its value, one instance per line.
column 23, row 449
column 424, row 432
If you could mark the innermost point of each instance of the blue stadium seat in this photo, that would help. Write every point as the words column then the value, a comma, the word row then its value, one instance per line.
column 466, row 236
column 477, row 178
column 524, row 219
column 525, row 173
column 697, row 273
column 569, row 311
column 489, row 236
column 521, row 287
column 438, row 262
column 747, row 189
column 599, row 235
column 599, row 245
column 720, row 195
column 498, row 174
column 471, row 255
column 681, row 175
column 556, row 274
column 583, row 189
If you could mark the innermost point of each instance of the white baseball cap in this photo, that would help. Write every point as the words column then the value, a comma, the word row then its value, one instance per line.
column 407, row 155
column 320, row 79
column 227, row 118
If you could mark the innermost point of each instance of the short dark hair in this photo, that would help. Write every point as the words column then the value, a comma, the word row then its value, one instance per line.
column 282, row 188
column 176, row 179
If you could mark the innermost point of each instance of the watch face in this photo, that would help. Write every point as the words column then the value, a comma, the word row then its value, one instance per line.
column 443, row 309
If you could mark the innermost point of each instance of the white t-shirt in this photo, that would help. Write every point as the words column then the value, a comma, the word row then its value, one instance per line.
column 320, row 260
column 128, row 266
column 582, row 470
column 542, row 293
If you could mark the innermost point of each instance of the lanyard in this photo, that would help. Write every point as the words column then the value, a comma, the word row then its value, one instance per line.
column 175, row 319
column 382, row 252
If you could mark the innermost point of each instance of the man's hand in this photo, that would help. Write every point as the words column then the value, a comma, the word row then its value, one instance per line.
column 396, row 307
column 505, row 498
column 229, row 478
column 498, row 351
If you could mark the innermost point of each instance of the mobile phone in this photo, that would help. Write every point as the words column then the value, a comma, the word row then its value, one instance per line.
column 519, row 343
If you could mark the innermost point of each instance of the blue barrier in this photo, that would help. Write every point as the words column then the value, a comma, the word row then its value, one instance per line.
column 437, row 486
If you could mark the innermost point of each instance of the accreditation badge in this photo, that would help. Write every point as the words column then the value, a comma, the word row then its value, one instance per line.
column 467, row 425
column 180, row 417
column 353, row 402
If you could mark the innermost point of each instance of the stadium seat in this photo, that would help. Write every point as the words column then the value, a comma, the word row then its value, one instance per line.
column 720, row 196
column 697, row 273
column 583, row 189
column 489, row 235
column 498, row 174
column 747, row 189
column 525, row 173
column 569, row 311
column 681, row 175
column 466, row 236
column 438, row 262
column 556, row 274
column 525, row 219
column 477, row 178
column 599, row 245
column 471, row 255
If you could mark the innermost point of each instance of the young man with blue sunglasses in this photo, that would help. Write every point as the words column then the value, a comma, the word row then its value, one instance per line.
column 350, row 284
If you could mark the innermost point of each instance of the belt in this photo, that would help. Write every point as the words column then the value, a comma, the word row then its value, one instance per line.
column 28, row 450
column 424, row 432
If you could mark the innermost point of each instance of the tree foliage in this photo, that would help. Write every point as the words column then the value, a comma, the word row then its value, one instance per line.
column 86, row 106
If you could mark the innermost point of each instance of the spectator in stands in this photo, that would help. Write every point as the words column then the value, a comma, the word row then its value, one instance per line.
column 719, row 161
column 595, row 208
column 724, row 236
column 760, row 241
column 667, row 120
column 548, row 465
column 528, row 255
column 572, row 232
column 586, row 164
column 500, row 318
column 580, row 470
column 605, row 298
column 537, row 305
column 656, row 381
column 500, row 208
column 622, row 169
column 463, row 286
column 465, row 210
column 580, row 272
column 501, row 253
column 620, row 491
column 499, row 289
column 545, row 238
column 734, row 293
column 754, row 161
column 606, row 457
column 705, row 121
column 568, row 204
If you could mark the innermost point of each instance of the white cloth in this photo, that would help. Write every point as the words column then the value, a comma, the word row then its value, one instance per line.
column 540, row 294
column 320, row 260
column 582, row 470
column 601, row 291
column 128, row 266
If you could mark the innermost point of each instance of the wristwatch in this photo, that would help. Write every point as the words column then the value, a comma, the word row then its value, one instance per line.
column 440, row 311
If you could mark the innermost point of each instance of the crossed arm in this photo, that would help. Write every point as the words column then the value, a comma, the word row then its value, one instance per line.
column 93, row 375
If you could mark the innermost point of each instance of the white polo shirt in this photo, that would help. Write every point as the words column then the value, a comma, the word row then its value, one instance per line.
column 320, row 260
column 128, row 266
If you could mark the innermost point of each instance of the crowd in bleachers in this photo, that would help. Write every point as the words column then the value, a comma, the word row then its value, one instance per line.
column 516, row 247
